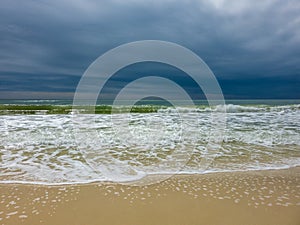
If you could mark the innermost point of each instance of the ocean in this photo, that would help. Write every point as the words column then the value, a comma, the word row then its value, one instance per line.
column 41, row 142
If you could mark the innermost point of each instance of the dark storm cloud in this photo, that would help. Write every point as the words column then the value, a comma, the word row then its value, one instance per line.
column 253, row 48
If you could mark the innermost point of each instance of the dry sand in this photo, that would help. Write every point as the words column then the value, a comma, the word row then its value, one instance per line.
column 241, row 198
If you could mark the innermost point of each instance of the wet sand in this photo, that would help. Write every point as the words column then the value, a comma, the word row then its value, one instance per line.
column 241, row 198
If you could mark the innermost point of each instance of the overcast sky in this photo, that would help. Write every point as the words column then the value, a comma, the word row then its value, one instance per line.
column 253, row 47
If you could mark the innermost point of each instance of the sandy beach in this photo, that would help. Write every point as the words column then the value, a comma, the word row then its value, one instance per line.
column 150, row 112
column 257, row 197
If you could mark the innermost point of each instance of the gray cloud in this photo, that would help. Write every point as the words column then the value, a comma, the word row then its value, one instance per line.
column 55, row 41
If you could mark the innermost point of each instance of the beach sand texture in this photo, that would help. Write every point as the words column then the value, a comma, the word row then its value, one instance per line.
column 241, row 198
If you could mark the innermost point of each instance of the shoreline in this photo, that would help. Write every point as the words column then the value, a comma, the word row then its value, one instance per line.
column 169, row 175
column 251, row 197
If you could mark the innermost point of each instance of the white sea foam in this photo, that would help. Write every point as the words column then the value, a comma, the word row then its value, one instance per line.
column 46, row 149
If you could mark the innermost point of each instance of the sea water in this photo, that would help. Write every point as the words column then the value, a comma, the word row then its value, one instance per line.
column 55, row 149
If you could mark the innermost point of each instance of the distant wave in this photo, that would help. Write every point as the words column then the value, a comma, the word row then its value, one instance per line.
column 7, row 109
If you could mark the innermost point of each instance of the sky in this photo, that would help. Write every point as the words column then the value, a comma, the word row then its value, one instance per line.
column 252, row 47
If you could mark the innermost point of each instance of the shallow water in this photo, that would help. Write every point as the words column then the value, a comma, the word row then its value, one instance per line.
column 57, row 148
